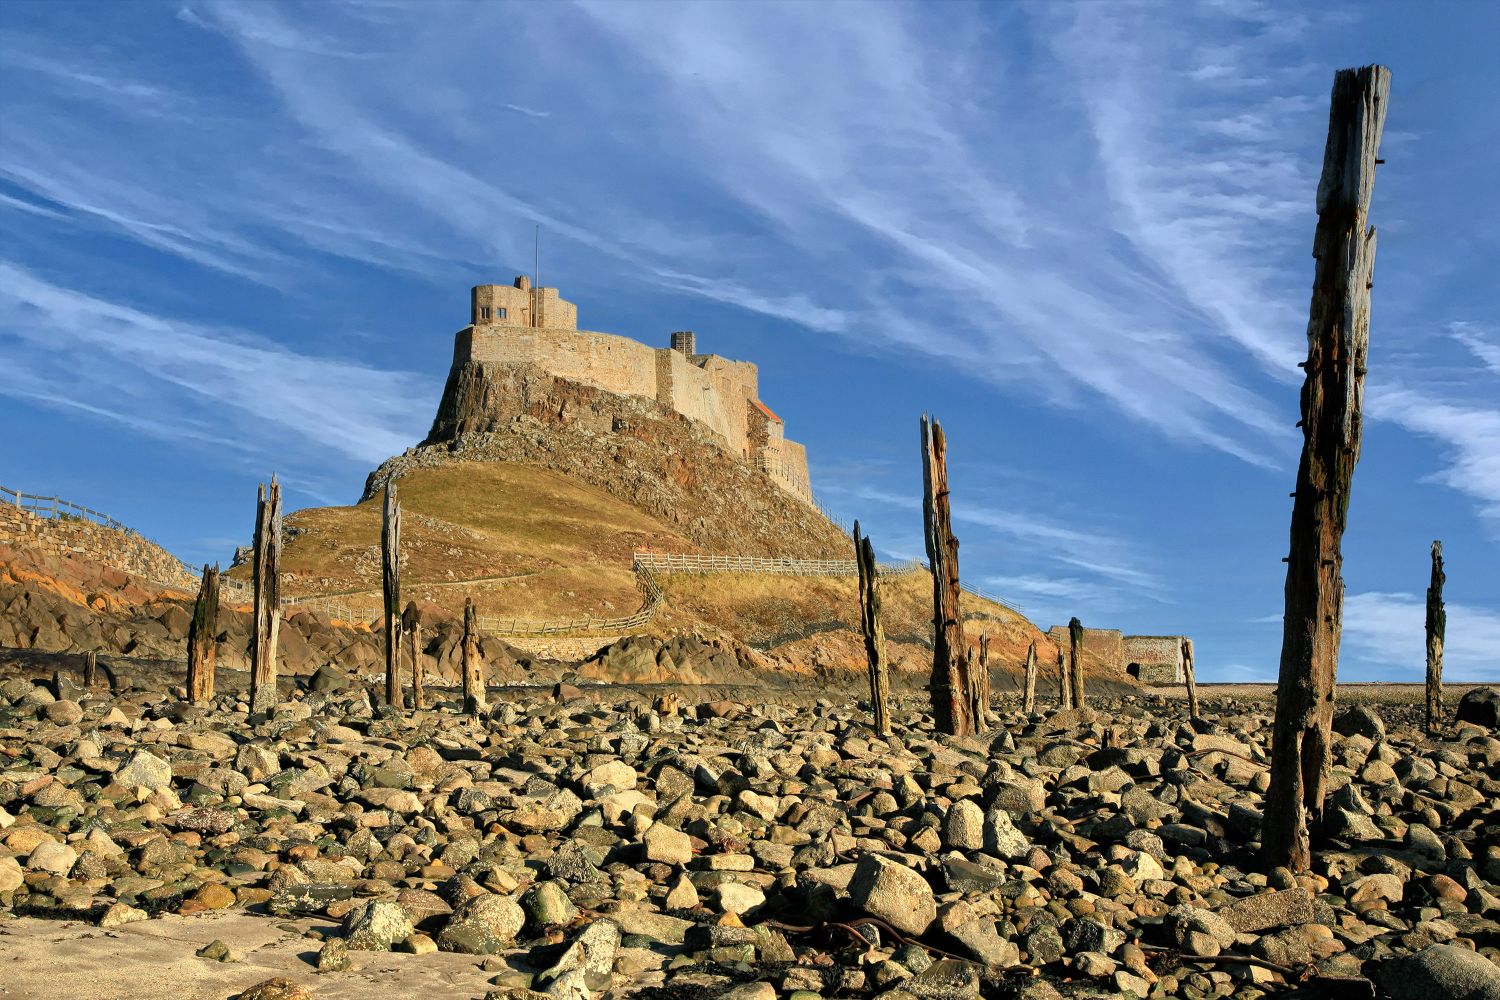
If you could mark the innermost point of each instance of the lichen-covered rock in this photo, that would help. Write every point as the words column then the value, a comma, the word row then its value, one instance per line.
column 483, row 925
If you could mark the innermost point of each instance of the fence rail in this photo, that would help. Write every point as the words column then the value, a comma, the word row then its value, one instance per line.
column 56, row 507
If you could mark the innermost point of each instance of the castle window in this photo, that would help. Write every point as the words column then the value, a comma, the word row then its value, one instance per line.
column 484, row 312
column 500, row 312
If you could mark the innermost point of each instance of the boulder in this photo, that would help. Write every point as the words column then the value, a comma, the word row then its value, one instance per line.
column 1480, row 706
column 1441, row 970
column 893, row 893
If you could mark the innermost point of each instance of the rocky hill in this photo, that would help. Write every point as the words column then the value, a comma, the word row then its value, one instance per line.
column 629, row 447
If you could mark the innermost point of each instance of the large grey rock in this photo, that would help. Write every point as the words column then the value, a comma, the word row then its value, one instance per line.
column 1442, row 970
column 667, row 845
column 1360, row 720
column 1270, row 910
column 1480, row 706
column 143, row 770
column 894, row 893
column 1001, row 837
column 963, row 827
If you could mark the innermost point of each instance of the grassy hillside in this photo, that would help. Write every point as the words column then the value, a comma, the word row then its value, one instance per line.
column 550, row 547
column 540, row 545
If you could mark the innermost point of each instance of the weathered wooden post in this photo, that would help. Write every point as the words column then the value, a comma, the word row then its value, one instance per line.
column 1338, row 339
column 1075, row 660
column 473, row 668
column 979, row 684
column 949, row 683
column 411, row 624
column 1028, row 690
column 390, row 586
column 873, row 631
column 1188, row 678
column 267, row 578
column 1437, row 626
column 203, row 646
column 90, row 670
column 1065, row 695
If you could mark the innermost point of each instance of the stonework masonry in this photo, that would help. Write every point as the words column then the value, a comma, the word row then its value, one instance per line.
column 66, row 536
column 1152, row 659
column 520, row 325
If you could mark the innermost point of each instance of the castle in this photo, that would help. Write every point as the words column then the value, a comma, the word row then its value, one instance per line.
column 518, row 325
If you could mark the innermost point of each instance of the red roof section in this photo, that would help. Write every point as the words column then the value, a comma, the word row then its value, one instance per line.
column 767, row 411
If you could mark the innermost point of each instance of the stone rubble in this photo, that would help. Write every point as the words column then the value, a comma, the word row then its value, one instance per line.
column 577, row 847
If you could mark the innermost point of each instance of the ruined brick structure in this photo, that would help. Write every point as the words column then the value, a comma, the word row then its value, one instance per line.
column 1151, row 659
column 515, row 325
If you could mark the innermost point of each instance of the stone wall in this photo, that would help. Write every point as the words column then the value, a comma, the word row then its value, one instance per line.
column 1154, row 659
column 66, row 536
column 603, row 360
column 1102, row 646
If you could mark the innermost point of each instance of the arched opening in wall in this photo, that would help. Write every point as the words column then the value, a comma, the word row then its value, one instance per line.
column 1134, row 670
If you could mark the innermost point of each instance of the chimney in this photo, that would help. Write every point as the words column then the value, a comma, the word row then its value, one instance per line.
column 684, row 342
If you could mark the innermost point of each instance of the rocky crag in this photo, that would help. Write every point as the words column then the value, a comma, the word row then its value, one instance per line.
column 630, row 447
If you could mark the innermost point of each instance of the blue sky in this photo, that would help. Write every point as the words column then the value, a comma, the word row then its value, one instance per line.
column 239, row 237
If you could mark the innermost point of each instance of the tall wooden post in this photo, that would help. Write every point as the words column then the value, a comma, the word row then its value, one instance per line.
column 1437, row 626
column 1189, row 678
column 411, row 624
column 873, row 632
column 949, row 683
column 474, row 694
column 203, row 646
column 1338, row 338
column 1065, row 695
column 90, row 670
column 1028, row 690
column 267, row 575
column 390, row 585
column 1075, row 660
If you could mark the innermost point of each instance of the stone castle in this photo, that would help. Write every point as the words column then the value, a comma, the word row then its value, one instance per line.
column 517, row 324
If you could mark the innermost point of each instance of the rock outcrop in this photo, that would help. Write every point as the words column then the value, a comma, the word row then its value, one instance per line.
column 627, row 446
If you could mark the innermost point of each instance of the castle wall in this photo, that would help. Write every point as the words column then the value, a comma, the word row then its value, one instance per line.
column 716, row 392
column 789, row 468
column 692, row 394
column 603, row 360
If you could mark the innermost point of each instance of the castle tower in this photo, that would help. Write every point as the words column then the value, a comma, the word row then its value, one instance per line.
column 521, row 305
column 684, row 342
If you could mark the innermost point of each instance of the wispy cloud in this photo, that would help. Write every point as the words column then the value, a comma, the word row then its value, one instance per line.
column 1389, row 630
column 528, row 112
column 179, row 379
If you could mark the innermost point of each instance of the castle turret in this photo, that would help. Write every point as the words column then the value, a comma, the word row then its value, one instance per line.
column 521, row 305
column 684, row 342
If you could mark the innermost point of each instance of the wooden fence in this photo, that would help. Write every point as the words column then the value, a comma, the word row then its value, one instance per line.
column 56, row 508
